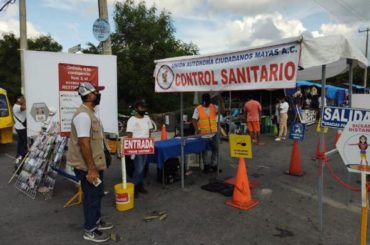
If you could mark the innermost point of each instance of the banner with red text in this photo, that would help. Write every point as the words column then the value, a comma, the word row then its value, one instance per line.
column 263, row 68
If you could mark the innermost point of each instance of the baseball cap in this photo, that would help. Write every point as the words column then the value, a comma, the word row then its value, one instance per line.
column 85, row 88
column 140, row 103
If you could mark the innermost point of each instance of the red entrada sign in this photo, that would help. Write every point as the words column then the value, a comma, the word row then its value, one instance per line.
column 137, row 146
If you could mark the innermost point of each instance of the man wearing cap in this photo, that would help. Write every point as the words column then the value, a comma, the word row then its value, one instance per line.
column 86, row 156
column 205, row 122
column 139, row 126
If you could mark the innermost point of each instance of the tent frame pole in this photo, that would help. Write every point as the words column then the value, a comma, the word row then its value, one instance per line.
column 182, row 139
column 322, row 140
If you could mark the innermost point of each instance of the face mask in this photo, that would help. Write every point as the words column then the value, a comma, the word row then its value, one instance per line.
column 141, row 113
column 97, row 100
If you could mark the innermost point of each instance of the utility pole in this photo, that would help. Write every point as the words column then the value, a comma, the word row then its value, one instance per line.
column 366, row 46
column 23, row 38
column 103, row 14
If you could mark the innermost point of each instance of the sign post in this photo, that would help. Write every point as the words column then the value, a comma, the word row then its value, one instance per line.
column 352, row 147
column 134, row 146
column 240, row 146
column 297, row 131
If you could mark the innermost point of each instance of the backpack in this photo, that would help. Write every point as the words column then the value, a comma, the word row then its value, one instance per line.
column 171, row 171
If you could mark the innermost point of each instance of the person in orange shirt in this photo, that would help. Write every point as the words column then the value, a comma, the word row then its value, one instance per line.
column 253, row 111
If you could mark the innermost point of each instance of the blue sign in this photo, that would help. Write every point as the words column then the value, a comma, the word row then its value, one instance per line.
column 337, row 117
column 297, row 131
column 101, row 30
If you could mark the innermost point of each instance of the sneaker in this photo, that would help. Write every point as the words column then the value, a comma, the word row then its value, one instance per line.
column 283, row 138
column 18, row 160
column 141, row 189
column 102, row 226
column 96, row 236
column 277, row 139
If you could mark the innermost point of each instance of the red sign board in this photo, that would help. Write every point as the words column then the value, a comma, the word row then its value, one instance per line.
column 137, row 146
column 70, row 77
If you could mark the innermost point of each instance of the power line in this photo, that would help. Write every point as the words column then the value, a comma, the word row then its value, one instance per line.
column 6, row 4
column 350, row 10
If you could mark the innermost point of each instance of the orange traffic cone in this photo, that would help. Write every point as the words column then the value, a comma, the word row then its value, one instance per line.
column 164, row 132
column 242, row 198
column 337, row 135
column 318, row 149
column 295, row 168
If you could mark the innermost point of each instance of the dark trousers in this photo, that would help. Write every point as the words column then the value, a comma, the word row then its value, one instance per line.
column 22, row 142
column 91, row 199
column 214, row 150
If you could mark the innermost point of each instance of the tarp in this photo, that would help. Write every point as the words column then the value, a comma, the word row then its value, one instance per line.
column 332, row 51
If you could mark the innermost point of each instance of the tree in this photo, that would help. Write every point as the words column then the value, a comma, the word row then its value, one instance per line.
column 142, row 36
column 10, row 59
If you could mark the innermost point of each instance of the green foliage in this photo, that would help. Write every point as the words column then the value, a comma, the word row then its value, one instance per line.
column 142, row 36
column 358, row 77
column 10, row 72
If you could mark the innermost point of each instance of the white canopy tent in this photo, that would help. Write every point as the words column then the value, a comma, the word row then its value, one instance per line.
column 318, row 58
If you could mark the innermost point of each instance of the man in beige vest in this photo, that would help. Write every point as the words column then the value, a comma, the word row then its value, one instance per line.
column 86, row 156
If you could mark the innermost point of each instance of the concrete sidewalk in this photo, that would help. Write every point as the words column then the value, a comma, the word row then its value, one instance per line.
column 287, row 213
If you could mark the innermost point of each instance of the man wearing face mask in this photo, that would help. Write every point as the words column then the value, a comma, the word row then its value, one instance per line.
column 86, row 156
column 139, row 126
column 205, row 122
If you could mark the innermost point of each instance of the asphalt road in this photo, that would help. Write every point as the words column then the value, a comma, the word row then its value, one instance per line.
column 287, row 212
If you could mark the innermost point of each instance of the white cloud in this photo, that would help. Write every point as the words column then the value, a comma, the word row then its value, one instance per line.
column 9, row 23
column 178, row 8
column 332, row 29
column 12, row 26
column 244, row 32
column 67, row 4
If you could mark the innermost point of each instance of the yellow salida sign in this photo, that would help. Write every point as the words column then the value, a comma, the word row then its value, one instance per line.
column 240, row 146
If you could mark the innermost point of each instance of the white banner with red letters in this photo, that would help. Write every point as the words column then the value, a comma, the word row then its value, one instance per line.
column 137, row 146
column 272, row 67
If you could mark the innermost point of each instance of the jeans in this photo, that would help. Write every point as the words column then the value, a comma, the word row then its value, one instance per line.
column 22, row 142
column 91, row 199
column 139, row 166
column 214, row 150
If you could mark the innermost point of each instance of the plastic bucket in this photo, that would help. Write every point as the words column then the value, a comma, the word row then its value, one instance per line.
column 124, row 197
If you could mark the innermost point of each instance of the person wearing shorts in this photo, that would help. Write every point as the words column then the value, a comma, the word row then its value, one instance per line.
column 253, row 111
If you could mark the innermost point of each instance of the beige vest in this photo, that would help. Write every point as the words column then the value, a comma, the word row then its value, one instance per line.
column 74, row 156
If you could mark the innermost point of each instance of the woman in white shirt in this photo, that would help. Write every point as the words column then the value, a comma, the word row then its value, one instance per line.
column 283, row 119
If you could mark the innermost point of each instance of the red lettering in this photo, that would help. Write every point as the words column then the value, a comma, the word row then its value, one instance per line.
column 194, row 75
column 240, row 72
column 200, row 78
column 273, row 72
column 231, row 76
column 255, row 69
column 289, row 70
column 263, row 73
column 183, row 80
column 207, row 78
column 248, row 74
column 214, row 82
column 177, row 80
column 188, row 79
column 224, row 76
column 281, row 72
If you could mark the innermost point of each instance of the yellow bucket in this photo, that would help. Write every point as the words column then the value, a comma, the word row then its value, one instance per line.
column 124, row 197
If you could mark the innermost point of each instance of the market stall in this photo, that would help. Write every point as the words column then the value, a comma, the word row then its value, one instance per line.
column 273, row 66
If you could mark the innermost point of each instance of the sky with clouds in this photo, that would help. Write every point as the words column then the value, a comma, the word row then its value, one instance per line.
column 213, row 25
